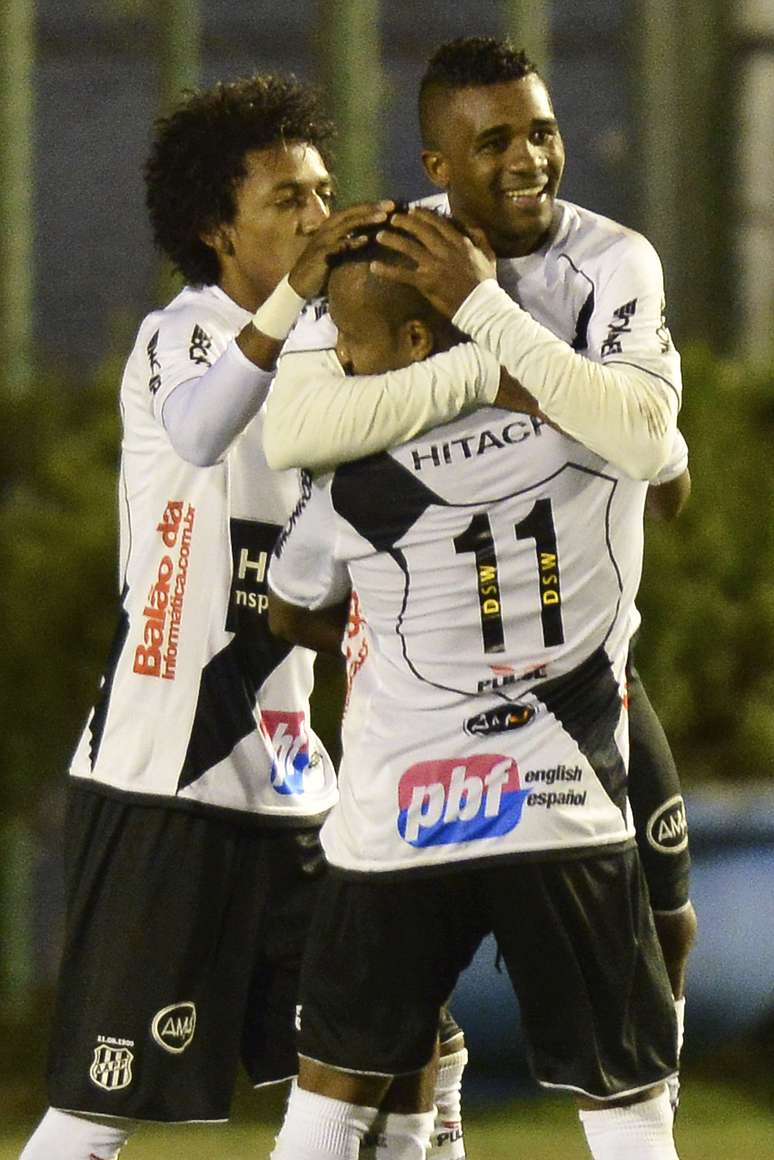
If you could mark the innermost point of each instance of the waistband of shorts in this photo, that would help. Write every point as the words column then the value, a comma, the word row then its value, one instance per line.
column 465, row 865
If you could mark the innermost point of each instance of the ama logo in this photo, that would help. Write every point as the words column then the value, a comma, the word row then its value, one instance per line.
column 455, row 800
column 287, row 735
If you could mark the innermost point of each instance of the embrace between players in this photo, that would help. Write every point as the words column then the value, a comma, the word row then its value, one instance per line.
column 482, row 406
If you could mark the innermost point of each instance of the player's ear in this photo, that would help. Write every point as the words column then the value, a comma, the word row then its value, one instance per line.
column 418, row 339
column 219, row 239
column 436, row 167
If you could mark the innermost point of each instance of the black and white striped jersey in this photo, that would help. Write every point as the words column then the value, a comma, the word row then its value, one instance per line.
column 200, row 703
column 496, row 563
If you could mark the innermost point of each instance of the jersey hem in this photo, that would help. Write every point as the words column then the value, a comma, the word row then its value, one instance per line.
column 249, row 818
column 435, row 869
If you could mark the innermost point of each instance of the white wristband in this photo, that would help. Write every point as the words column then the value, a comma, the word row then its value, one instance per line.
column 277, row 316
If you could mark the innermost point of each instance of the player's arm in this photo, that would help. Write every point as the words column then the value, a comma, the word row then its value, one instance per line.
column 621, row 408
column 309, row 587
column 666, row 501
column 669, row 492
column 205, row 412
column 317, row 416
column 321, row 629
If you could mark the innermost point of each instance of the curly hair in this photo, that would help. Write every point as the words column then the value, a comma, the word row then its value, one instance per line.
column 469, row 62
column 197, row 159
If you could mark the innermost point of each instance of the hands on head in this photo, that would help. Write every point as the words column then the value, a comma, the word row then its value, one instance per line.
column 341, row 231
column 445, row 263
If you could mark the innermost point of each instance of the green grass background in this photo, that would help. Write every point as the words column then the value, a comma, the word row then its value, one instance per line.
column 716, row 1120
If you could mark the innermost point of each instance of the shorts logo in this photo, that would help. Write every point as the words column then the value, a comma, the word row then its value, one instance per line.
column 454, row 800
column 173, row 1027
column 499, row 720
column 667, row 829
column 111, row 1068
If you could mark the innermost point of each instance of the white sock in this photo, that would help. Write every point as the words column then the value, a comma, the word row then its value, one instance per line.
column 446, row 1142
column 319, row 1128
column 64, row 1136
column 637, row 1132
column 401, row 1137
column 673, row 1083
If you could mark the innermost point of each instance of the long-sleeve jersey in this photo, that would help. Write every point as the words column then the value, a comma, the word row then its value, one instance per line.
column 494, row 563
column 200, row 705
column 580, row 323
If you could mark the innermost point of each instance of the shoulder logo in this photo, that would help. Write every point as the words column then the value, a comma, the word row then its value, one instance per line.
column 173, row 1027
column 154, row 382
column 667, row 828
column 620, row 325
column 111, row 1068
column 663, row 335
column 199, row 350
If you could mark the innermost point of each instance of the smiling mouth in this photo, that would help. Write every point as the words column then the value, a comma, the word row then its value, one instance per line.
column 532, row 193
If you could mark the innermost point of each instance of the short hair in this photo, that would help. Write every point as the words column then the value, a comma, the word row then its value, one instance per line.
column 399, row 302
column 197, row 159
column 469, row 62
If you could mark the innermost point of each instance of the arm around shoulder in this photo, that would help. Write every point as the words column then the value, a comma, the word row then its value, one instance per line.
column 624, row 413
column 318, row 417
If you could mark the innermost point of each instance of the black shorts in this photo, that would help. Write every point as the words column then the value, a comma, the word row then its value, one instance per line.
column 182, row 950
column 657, row 803
column 578, row 941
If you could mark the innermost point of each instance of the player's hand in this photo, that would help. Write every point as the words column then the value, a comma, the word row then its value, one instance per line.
column 337, row 233
column 445, row 264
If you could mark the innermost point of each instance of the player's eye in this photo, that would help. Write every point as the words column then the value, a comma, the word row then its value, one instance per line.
column 493, row 146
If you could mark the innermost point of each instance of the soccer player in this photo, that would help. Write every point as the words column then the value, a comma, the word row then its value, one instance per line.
column 198, row 786
column 491, row 142
column 483, row 779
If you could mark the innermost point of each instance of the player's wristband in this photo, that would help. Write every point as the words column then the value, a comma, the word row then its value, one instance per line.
column 277, row 316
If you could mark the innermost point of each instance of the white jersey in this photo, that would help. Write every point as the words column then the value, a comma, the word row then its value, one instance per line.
column 495, row 563
column 200, row 704
column 598, row 286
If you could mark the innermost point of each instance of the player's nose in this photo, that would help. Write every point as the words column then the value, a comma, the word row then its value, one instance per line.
column 315, row 213
column 525, row 156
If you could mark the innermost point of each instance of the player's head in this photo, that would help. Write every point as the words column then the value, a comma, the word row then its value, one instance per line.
column 382, row 325
column 490, row 139
column 236, row 181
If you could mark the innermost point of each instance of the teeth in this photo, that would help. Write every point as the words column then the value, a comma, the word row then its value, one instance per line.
column 515, row 194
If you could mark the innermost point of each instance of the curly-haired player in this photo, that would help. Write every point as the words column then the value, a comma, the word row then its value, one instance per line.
column 198, row 787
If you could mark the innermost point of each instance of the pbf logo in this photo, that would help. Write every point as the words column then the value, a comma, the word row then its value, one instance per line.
column 287, row 734
column 456, row 800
